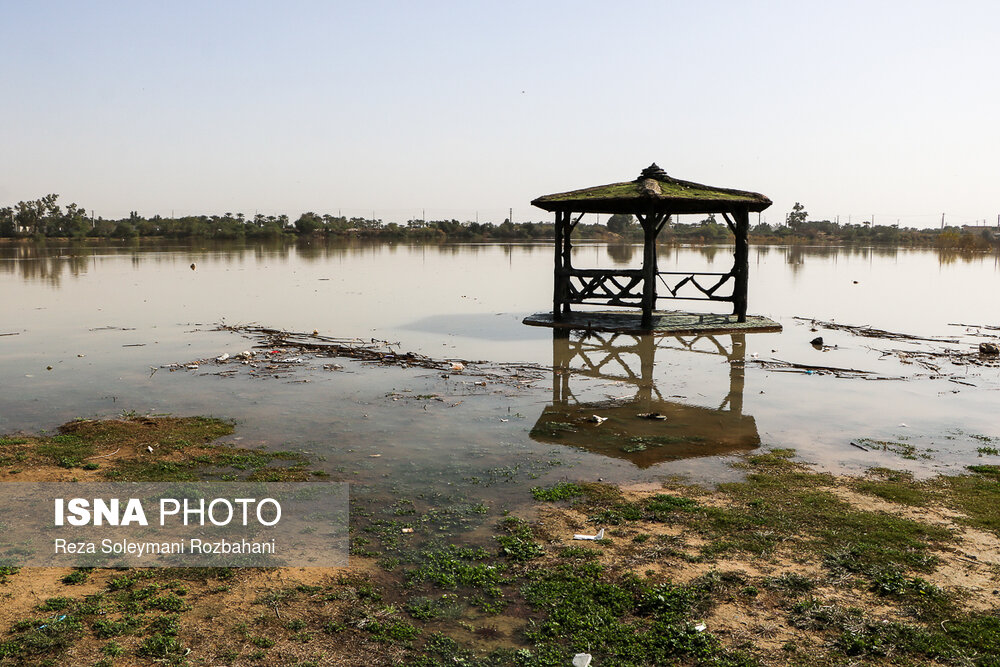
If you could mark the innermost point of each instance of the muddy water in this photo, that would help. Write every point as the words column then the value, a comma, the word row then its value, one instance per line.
column 108, row 319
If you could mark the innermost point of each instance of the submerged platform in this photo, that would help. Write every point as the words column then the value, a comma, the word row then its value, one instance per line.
column 664, row 322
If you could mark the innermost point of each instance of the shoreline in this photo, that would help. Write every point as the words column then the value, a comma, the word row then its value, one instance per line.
column 788, row 566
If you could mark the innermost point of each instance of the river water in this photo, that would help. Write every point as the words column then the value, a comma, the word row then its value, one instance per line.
column 109, row 319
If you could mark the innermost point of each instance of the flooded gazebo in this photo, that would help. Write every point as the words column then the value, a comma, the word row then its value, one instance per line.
column 652, row 198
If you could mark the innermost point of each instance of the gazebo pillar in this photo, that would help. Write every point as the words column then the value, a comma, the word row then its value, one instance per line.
column 558, row 282
column 741, row 264
column 650, row 229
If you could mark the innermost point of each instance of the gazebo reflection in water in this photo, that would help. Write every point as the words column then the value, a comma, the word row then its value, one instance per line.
column 645, row 429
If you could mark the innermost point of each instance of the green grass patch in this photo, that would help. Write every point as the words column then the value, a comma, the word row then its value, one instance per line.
column 560, row 491
column 976, row 495
column 518, row 544
column 620, row 620
column 66, row 451
column 896, row 486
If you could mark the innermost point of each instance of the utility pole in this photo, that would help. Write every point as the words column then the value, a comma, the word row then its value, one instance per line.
column 942, row 221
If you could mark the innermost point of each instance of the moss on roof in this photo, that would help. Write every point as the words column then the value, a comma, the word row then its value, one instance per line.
column 653, row 189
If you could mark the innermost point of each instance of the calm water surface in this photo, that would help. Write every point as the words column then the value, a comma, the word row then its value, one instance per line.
column 105, row 317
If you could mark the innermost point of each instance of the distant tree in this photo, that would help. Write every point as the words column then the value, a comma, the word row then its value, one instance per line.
column 123, row 230
column 7, row 221
column 308, row 223
column 797, row 216
column 74, row 222
column 619, row 223
column 35, row 217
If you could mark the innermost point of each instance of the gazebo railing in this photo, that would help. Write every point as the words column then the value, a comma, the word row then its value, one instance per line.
column 609, row 288
column 624, row 287
column 712, row 283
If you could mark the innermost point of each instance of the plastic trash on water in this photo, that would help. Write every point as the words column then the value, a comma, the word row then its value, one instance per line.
column 582, row 660
column 457, row 366
column 597, row 419
column 223, row 357
column 599, row 536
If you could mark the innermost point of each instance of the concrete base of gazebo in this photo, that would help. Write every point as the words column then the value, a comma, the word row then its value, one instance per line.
column 664, row 322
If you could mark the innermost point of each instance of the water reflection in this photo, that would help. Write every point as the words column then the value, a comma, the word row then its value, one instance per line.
column 645, row 429
column 50, row 262
column 621, row 254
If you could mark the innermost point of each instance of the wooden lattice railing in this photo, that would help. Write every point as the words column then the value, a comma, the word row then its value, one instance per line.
column 624, row 287
column 709, row 292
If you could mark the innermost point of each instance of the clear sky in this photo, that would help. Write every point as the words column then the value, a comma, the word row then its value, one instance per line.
column 852, row 108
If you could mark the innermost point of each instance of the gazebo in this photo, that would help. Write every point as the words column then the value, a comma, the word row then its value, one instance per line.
column 652, row 198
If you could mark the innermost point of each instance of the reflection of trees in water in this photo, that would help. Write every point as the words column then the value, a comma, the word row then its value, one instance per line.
column 709, row 252
column 951, row 255
column 671, row 255
column 621, row 253
column 43, row 263
column 794, row 257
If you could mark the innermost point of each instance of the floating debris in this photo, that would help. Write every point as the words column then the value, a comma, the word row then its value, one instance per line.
column 810, row 369
column 870, row 332
column 299, row 348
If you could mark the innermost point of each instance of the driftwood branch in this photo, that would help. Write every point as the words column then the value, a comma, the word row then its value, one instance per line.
column 872, row 332
column 790, row 366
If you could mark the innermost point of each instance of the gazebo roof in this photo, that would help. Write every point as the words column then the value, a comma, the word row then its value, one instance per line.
column 654, row 192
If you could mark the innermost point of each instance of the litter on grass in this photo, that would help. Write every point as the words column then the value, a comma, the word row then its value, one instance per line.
column 599, row 536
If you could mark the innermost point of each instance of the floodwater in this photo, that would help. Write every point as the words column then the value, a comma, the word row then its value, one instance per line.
column 108, row 319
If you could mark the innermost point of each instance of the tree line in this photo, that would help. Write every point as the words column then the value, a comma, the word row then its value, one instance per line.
column 46, row 218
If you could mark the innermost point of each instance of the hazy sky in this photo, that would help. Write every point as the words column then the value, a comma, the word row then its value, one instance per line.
column 854, row 109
